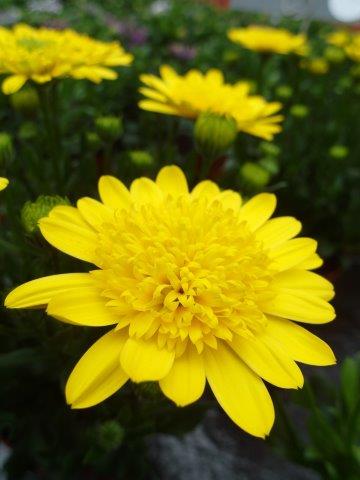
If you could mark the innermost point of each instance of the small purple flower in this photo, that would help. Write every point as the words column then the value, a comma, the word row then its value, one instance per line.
column 182, row 51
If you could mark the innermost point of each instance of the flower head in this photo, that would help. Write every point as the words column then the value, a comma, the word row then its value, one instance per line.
column 42, row 54
column 194, row 93
column 266, row 39
column 3, row 183
column 348, row 40
column 196, row 286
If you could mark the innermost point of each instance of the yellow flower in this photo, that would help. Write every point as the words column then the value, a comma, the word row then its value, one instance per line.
column 349, row 41
column 3, row 183
column 339, row 38
column 41, row 54
column 267, row 39
column 193, row 93
column 196, row 286
column 319, row 66
column 353, row 49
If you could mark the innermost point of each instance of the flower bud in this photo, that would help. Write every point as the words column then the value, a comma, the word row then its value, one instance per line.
column 109, row 435
column 141, row 158
column 334, row 54
column 254, row 174
column 319, row 65
column 270, row 164
column 338, row 151
column 109, row 128
column 355, row 71
column 32, row 212
column 93, row 141
column 25, row 101
column 6, row 149
column 27, row 131
column 270, row 149
column 284, row 91
column 299, row 111
column 214, row 134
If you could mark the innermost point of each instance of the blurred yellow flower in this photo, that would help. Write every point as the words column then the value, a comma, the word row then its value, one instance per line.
column 193, row 93
column 339, row 38
column 319, row 65
column 198, row 286
column 3, row 183
column 353, row 49
column 348, row 40
column 41, row 54
column 262, row 38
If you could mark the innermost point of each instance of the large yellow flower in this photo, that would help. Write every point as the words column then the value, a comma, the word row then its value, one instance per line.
column 3, row 183
column 193, row 93
column 268, row 39
column 197, row 286
column 41, row 54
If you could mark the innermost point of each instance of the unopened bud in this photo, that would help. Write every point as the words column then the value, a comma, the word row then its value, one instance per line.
column 109, row 435
column 6, row 148
column 93, row 141
column 334, row 54
column 339, row 151
column 109, row 128
column 141, row 158
column 270, row 149
column 284, row 91
column 254, row 174
column 25, row 101
column 299, row 111
column 214, row 134
column 32, row 212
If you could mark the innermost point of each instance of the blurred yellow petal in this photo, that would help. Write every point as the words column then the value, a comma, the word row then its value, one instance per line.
column 4, row 182
column 13, row 83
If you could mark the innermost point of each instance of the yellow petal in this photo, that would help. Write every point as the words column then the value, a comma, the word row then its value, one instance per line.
column 296, row 282
column 39, row 292
column 113, row 193
column 307, row 309
column 278, row 230
column 258, row 209
column 81, row 306
column 185, row 382
column 172, row 181
column 273, row 365
column 143, row 191
column 311, row 263
column 300, row 344
column 66, row 230
column 240, row 392
column 206, row 188
column 94, row 213
column 291, row 253
column 4, row 182
column 13, row 83
column 153, row 106
column 98, row 373
column 144, row 361
column 229, row 199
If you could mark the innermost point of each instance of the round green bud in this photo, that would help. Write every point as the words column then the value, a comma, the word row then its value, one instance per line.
column 93, row 141
column 339, row 151
column 299, row 111
column 6, row 149
column 109, row 435
column 214, row 134
column 109, row 128
column 27, row 131
column 270, row 164
column 254, row 174
column 268, row 148
column 284, row 91
column 25, row 101
column 231, row 56
column 334, row 54
column 32, row 212
column 141, row 158
column 355, row 71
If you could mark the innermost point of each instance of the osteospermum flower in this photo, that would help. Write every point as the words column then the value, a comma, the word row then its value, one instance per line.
column 196, row 287
column 3, row 183
column 194, row 93
column 266, row 39
column 42, row 54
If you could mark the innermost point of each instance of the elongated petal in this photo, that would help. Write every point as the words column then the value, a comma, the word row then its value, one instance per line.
column 153, row 106
column 278, row 230
column 143, row 190
column 307, row 309
column 98, row 373
column 4, row 182
column 13, row 83
column 172, row 181
column 229, row 199
column 82, row 306
column 113, row 193
column 240, row 392
column 298, row 282
column 206, row 188
column 311, row 263
column 291, row 253
column 258, row 209
column 66, row 230
column 300, row 344
column 38, row 293
column 273, row 365
column 185, row 382
column 143, row 361
column 93, row 212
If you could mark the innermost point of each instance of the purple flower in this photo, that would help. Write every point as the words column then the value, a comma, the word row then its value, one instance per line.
column 182, row 51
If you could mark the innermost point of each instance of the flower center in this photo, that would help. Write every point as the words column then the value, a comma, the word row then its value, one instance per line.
column 183, row 270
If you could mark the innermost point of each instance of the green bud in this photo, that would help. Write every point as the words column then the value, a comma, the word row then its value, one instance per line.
column 230, row 56
column 141, row 158
column 109, row 128
column 214, row 134
column 284, row 91
column 338, row 151
column 334, row 54
column 109, row 435
column 345, row 82
column 299, row 111
column 355, row 70
column 270, row 149
column 270, row 164
column 6, row 149
column 32, row 212
column 93, row 141
column 254, row 174
column 25, row 101
column 27, row 131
